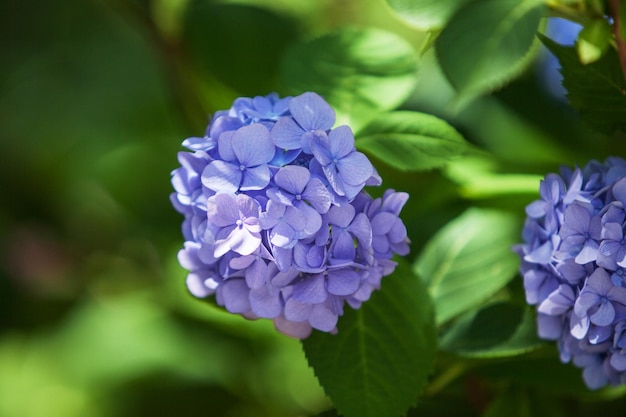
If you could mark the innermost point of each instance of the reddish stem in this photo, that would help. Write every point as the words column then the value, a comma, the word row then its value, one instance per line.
column 617, row 27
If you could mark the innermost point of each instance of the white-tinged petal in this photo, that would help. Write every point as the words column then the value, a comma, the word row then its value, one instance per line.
column 221, row 176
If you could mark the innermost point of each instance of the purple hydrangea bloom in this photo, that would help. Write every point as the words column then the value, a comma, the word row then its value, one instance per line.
column 573, row 261
column 277, row 224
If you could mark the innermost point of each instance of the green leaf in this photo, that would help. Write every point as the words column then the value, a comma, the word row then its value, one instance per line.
column 379, row 361
column 488, row 43
column 477, row 177
column 426, row 14
column 360, row 72
column 545, row 374
column 498, row 330
column 227, row 40
column 593, row 40
column 328, row 413
column 469, row 260
column 510, row 403
column 597, row 91
column 443, row 405
column 515, row 401
column 411, row 141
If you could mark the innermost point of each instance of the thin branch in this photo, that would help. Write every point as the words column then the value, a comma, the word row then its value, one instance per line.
column 615, row 6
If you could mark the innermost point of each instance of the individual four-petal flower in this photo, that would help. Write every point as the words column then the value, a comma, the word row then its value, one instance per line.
column 599, row 299
column 237, row 221
column 243, row 167
column 311, row 116
column 345, row 168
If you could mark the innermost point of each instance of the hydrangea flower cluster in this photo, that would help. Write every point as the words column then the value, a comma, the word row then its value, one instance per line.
column 574, row 267
column 277, row 224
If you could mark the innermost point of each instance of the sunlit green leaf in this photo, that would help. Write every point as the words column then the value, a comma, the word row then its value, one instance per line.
column 477, row 178
column 379, row 361
column 487, row 43
column 498, row 330
column 469, row 260
column 593, row 40
column 411, row 141
column 498, row 127
column 33, row 384
column 358, row 71
column 597, row 90
column 426, row 14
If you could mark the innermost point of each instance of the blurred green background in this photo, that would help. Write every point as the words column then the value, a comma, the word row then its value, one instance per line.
column 95, row 98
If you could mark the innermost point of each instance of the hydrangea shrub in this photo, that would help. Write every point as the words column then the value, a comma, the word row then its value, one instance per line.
column 277, row 224
column 574, row 265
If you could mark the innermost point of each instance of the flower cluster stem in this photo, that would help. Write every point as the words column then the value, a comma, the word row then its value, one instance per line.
column 615, row 6
column 446, row 377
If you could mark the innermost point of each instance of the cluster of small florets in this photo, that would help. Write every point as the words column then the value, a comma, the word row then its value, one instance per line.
column 574, row 267
column 277, row 224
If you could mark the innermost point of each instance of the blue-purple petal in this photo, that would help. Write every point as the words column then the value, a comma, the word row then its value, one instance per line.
column 283, row 235
column 323, row 318
column 287, row 134
column 343, row 281
column 222, row 210
column 252, row 145
column 354, row 168
column 265, row 302
column 341, row 142
column 343, row 246
column 618, row 361
column 312, row 112
column 361, row 229
column 317, row 195
column 292, row 178
column 221, row 176
column 604, row 315
column 311, row 289
column 235, row 294
column 255, row 178
column 297, row 311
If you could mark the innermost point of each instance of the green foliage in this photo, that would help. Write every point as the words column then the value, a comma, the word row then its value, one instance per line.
column 380, row 360
column 96, row 97
column 497, row 330
column 478, row 58
column 478, row 178
column 597, row 90
column 468, row 260
column 544, row 373
column 360, row 72
column 593, row 40
column 411, row 141
column 426, row 14
column 512, row 403
column 213, row 35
